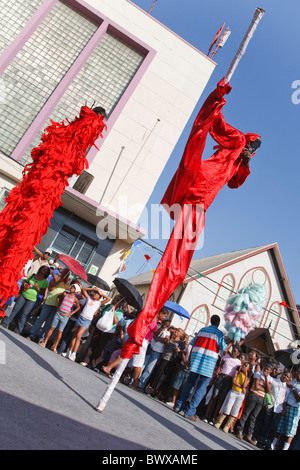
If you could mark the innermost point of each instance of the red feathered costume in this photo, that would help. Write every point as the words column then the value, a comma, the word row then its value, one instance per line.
column 194, row 185
column 30, row 204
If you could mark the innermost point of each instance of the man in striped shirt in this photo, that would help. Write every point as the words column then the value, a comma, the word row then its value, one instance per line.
column 205, row 348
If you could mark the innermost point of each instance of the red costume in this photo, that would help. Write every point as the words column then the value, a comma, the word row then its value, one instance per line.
column 194, row 185
column 31, row 203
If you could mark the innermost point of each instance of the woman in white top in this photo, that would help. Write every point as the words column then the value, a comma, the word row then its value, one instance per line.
column 90, row 308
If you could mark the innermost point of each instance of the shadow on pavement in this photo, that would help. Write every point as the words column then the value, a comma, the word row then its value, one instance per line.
column 25, row 426
column 183, row 431
column 14, row 338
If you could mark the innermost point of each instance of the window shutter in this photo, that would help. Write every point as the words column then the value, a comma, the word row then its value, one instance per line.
column 65, row 240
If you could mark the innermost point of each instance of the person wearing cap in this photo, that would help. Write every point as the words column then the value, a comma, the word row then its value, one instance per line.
column 40, row 259
column 54, row 273
column 68, row 304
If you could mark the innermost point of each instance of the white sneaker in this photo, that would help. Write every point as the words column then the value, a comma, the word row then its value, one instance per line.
column 66, row 354
column 72, row 356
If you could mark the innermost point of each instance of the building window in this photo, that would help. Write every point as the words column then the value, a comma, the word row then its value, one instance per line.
column 226, row 290
column 74, row 57
column 38, row 68
column 3, row 194
column 106, row 74
column 14, row 14
column 74, row 244
column 103, row 79
column 199, row 319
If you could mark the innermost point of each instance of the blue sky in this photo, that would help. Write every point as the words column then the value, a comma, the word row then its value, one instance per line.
column 265, row 209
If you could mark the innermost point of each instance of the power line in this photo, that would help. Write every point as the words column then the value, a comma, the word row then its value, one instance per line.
column 221, row 285
column 195, row 272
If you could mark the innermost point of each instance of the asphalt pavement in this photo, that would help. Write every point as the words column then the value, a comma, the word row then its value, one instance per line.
column 48, row 403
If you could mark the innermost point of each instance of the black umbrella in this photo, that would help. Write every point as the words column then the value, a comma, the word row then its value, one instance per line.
column 98, row 282
column 129, row 292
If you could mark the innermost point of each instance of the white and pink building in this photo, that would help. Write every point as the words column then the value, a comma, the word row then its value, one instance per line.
column 211, row 281
column 57, row 55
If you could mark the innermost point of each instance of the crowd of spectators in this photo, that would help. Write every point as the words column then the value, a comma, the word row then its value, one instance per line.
column 203, row 378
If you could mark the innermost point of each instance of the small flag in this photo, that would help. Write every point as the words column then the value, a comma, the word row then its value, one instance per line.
column 216, row 38
column 284, row 304
column 126, row 254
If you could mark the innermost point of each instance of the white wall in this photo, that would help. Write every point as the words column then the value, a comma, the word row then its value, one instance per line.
column 169, row 91
column 149, row 125
column 110, row 269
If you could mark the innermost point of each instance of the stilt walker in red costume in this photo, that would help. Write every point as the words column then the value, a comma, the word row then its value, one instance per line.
column 193, row 187
column 31, row 203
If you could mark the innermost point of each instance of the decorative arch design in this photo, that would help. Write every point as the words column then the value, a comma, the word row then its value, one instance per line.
column 272, row 317
column 200, row 317
column 225, row 291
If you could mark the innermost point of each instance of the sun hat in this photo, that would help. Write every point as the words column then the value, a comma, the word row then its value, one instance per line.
column 77, row 288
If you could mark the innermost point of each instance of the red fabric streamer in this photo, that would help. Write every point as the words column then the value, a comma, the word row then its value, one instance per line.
column 31, row 203
column 169, row 274
column 193, row 187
